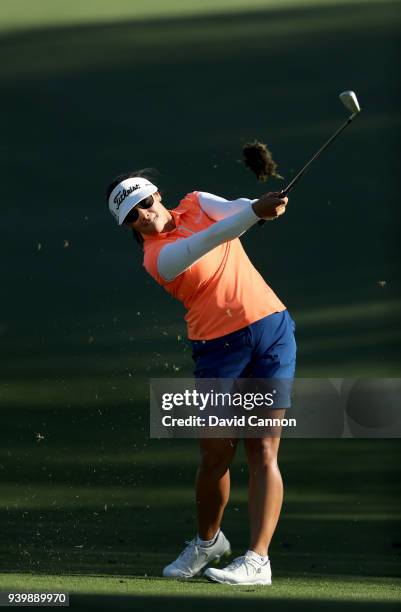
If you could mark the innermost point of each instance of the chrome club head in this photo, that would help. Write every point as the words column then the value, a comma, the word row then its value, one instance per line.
column 350, row 101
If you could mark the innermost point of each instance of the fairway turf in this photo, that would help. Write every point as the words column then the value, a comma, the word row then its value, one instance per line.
column 87, row 502
column 98, row 518
column 19, row 15
column 101, row 592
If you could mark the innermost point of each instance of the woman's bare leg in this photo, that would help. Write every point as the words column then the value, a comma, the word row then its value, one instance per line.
column 265, row 489
column 213, row 483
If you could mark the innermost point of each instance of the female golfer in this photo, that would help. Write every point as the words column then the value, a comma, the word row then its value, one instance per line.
column 238, row 329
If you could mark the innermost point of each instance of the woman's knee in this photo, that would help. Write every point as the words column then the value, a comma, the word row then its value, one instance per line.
column 262, row 452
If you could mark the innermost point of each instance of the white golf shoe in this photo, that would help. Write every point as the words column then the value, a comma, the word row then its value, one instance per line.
column 244, row 570
column 195, row 557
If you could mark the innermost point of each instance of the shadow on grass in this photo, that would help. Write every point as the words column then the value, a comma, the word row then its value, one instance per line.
column 67, row 508
column 90, row 602
column 183, row 95
column 101, row 96
column 140, row 541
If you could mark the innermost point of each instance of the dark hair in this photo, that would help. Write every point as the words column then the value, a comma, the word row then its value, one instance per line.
column 148, row 173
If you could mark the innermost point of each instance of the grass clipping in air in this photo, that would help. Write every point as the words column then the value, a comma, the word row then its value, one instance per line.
column 258, row 158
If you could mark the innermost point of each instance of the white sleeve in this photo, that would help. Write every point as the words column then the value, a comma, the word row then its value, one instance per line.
column 218, row 208
column 177, row 256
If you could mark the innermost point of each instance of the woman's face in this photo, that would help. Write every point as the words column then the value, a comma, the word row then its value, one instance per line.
column 153, row 220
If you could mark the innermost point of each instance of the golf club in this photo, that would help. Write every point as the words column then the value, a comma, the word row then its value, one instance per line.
column 350, row 101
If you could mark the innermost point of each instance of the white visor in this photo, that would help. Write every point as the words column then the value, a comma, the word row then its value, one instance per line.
column 127, row 194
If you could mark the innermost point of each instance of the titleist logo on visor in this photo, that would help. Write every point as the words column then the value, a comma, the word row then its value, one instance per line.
column 123, row 194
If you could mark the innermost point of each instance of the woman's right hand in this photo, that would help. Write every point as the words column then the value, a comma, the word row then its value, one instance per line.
column 270, row 206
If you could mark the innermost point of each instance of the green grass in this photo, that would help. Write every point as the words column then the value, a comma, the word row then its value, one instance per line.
column 75, row 309
column 99, row 522
column 86, row 499
column 314, row 590
column 19, row 15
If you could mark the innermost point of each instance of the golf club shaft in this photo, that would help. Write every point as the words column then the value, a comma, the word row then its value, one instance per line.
column 326, row 144
column 296, row 178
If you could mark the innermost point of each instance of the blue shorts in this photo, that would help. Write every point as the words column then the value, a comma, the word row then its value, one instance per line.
column 264, row 349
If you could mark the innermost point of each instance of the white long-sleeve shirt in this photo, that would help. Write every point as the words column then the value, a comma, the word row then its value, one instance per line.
column 233, row 218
